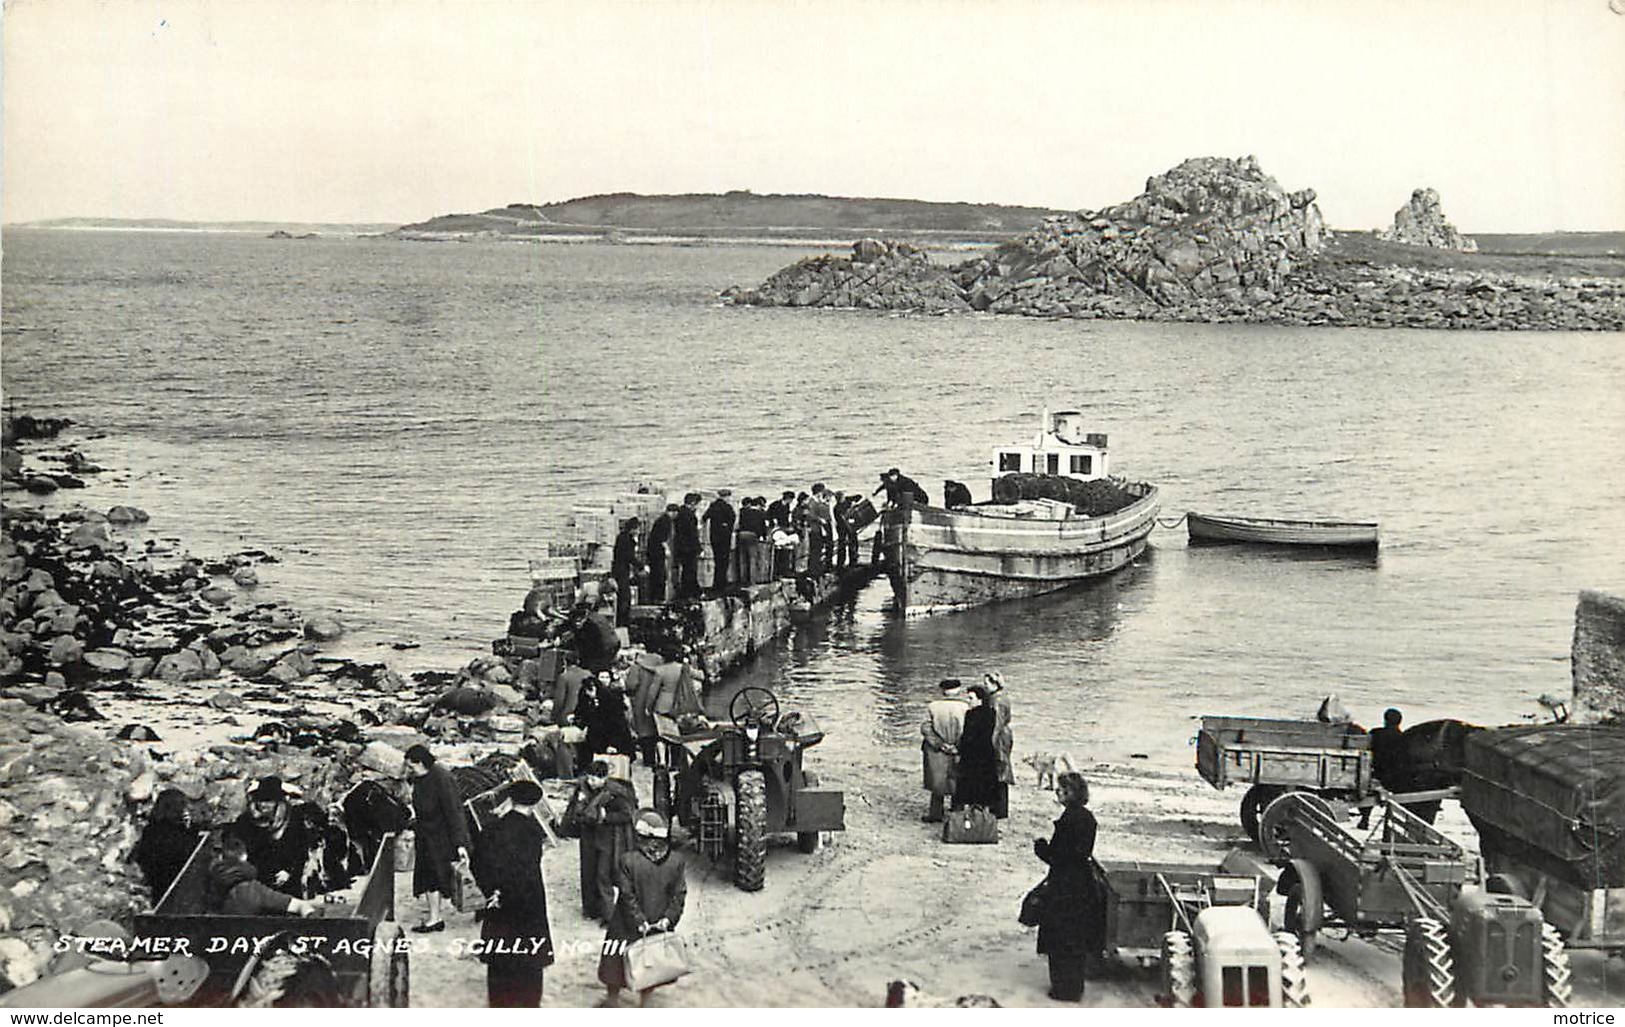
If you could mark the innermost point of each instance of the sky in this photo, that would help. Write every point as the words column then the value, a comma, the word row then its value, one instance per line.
column 399, row 110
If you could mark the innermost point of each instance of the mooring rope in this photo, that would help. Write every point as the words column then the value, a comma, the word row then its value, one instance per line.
column 1173, row 523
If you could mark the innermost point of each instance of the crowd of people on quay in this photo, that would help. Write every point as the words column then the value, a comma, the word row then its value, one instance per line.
column 814, row 531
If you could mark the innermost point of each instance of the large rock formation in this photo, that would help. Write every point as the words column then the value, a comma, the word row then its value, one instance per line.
column 1421, row 222
column 1209, row 232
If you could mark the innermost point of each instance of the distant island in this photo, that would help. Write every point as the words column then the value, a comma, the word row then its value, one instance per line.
column 288, row 229
column 631, row 217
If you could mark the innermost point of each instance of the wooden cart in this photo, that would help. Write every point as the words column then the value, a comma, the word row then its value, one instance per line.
column 356, row 947
column 1273, row 757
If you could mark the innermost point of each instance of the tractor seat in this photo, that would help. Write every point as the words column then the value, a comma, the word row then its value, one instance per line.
column 801, row 727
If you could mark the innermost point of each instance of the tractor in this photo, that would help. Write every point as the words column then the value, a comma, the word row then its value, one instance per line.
column 735, row 785
column 1202, row 924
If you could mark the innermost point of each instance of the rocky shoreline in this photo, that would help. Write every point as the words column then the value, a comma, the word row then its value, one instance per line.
column 1212, row 240
column 130, row 665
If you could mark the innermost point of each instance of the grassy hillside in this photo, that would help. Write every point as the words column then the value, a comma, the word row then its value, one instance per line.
column 705, row 214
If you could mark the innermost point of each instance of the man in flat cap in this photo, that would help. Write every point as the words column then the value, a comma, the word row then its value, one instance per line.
column 720, row 519
column 943, row 725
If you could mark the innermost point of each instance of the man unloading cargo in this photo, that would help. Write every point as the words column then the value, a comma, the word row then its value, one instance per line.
column 719, row 518
column 657, row 553
column 624, row 566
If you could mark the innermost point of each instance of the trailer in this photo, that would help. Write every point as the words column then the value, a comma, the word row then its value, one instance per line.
column 1273, row 757
column 1461, row 944
column 1206, row 928
column 1548, row 802
column 351, row 954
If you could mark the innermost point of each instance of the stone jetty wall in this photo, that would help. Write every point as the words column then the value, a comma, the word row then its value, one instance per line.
column 731, row 628
column 1599, row 659
column 1212, row 240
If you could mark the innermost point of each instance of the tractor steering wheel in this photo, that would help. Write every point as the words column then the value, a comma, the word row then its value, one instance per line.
column 754, row 705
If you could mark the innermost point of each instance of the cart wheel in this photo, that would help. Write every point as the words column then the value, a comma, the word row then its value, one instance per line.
column 1272, row 836
column 388, row 975
column 1554, row 962
column 1178, row 970
column 1252, row 804
column 1429, row 966
column 750, row 838
column 1294, row 976
column 1305, row 905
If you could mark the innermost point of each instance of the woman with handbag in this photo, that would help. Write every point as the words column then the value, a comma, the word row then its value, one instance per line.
column 651, row 886
column 1069, row 925
column 976, row 774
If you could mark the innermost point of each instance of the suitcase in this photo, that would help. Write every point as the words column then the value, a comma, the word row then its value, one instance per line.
column 973, row 825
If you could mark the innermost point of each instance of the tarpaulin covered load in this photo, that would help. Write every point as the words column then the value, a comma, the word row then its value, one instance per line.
column 1095, row 498
column 1551, row 796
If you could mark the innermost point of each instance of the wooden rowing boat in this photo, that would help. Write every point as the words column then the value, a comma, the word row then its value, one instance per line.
column 1277, row 532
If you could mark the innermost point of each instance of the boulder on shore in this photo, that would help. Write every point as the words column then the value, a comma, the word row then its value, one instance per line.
column 323, row 627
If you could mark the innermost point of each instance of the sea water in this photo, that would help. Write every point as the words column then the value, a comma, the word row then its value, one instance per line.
column 405, row 423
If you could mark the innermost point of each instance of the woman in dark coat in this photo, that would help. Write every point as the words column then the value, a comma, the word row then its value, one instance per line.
column 608, row 721
column 518, row 943
column 976, row 773
column 440, row 833
column 653, row 885
column 1070, row 927
column 167, row 842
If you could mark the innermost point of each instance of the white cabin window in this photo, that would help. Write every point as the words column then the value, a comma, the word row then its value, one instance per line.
column 1054, row 462
column 1081, row 463
column 1009, row 462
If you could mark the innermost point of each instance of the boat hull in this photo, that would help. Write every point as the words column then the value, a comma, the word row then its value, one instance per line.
column 1206, row 528
column 940, row 560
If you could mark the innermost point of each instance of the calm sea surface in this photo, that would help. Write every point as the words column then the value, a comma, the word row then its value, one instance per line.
column 404, row 422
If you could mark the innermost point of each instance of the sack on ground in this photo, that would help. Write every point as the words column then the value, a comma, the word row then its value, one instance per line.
column 654, row 960
column 1032, row 905
column 973, row 825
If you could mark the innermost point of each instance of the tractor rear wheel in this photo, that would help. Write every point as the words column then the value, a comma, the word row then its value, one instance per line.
column 1554, row 961
column 750, row 830
column 1305, row 905
column 1252, row 804
column 1294, row 976
column 388, row 976
column 1178, row 970
column 1429, row 967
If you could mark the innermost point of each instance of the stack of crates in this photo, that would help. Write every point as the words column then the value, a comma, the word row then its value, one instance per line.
column 556, row 577
column 645, row 506
column 594, row 524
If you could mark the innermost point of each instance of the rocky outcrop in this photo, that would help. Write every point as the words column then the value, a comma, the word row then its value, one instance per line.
column 1207, row 233
column 877, row 276
column 1212, row 240
column 1421, row 222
